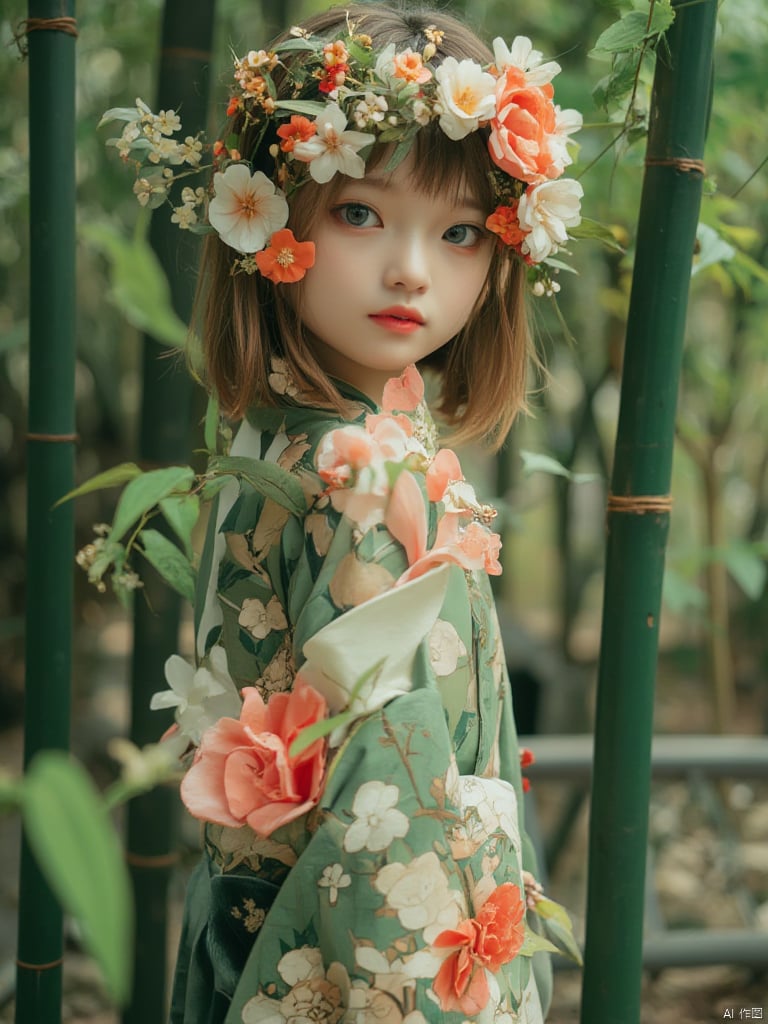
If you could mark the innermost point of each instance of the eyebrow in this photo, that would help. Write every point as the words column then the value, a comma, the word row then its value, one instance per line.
column 465, row 202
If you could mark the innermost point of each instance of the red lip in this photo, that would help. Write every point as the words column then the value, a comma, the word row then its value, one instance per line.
column 400, row 313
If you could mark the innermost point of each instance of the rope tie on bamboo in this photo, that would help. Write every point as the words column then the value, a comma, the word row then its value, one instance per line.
column 156, row 861
column 681, row 163
column 40, row 967
column 639, row 504
column 66, row 25
column 54, row 438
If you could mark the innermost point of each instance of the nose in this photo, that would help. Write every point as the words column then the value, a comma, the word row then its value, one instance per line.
column 407, row 267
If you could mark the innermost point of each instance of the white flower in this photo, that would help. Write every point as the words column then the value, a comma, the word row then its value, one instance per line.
column 184, row 216
column 421, row 112
column 545, row 211
column 191, row 151
column 151, row 189
column 332, row 148
column 378, row 822
column 523, row 56
column 315, row 994
column 566, row 123
column 246, row 208
column 192, row 196
column 445, row 648
column 201, row 697
column 144, row 767
column 167, row 122
column 259, row 619
column 166, row 149
column 334, row 879
column 420, row 894
column 467, row 96
column 370, row 108
column 385, row 64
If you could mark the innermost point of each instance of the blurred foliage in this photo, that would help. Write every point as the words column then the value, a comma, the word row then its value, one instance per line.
column 721, row 469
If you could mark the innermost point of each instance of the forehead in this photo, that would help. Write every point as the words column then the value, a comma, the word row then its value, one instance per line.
column 406, row 179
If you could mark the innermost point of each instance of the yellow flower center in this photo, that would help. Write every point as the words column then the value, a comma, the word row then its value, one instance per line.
column 249, row 205
column 285, row 257
column 466, row 100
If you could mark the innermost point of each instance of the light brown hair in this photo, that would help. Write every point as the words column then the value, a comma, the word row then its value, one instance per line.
column 246, row 320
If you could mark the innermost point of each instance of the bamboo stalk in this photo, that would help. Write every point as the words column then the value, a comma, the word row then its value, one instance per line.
column 166, row 414
column 50, row 467
column 637, row 530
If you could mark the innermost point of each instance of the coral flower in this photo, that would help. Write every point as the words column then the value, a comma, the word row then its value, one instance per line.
column 504, row 223
column 403, row 393
column 298, row 129
column 243, row 772
column 409, row 65
column 485, row 942
column 525, row 119
column 285, row 260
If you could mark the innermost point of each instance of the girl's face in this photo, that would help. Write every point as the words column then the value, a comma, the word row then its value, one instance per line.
column 396, row 275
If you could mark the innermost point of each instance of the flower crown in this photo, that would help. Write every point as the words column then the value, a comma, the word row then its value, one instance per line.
column 366, row 97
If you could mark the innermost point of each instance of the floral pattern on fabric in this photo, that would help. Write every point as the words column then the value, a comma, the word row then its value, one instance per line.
column 381, row 603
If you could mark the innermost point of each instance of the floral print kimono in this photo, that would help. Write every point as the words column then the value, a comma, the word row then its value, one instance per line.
column 378, row 874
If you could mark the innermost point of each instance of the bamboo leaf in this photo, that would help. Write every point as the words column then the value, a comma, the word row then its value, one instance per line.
column 139, row 285
column 267, row 478
column 538, row 462
column 594, row 229
column 78, row 851
column 113, row 477
column 144, row 492
column 182, row 512
column 633, row 29
column 169, row 561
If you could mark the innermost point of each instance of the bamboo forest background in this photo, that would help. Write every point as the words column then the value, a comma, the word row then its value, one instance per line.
column 715, row 595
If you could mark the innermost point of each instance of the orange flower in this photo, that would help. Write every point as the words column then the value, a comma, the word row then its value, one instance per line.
column 235, row 104
column 409, row 65
column 243, row 772
column 525, row 118
column 298, row 129
column 503, row 222
column 488, row 941
column 445, row 468
column 285, row 260
column 403, row 393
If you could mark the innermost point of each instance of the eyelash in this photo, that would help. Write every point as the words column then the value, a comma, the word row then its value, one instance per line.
column 475, row 234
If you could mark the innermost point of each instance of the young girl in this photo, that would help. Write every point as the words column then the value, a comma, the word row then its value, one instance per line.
column 385, row 190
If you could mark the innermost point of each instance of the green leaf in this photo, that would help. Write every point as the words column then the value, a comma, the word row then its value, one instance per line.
column 537, row 462
column 594, row 229
column 266, row 477
column 169, row 562
column 633, row 29
column 119, row 114
column 113, row 477
column 747, row 566
column 139, row 286
column 144, row 492
column 78, row 851
column 535, row 943
column 680, row 595
column 558, row 925
column 294, row 44
column 182, row 512
column 311, row 107
column 10, row 791
column 211, row 430
column 712, row 248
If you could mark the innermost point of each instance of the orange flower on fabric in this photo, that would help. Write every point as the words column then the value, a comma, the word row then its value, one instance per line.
column 243, row 772
column 285, row 260
column 485, row 942
column 298, row 129
column 504, row 223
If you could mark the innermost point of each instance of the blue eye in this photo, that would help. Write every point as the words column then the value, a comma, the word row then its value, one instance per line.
column 463, row 235
column 357, row 215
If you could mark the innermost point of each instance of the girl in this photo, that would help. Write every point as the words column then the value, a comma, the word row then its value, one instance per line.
column 385, row 189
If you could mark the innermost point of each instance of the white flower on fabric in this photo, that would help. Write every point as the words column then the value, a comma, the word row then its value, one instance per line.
column 420, row 895
column 523, row 56
column 259, row 619
column 200, row 696
column 467, row 96
column 333, row 148
column 394, row 975
column 378, row 822
column 334, row 879
column 246, row 208
column 545, row 212
column 445, row 648
column 315, row 994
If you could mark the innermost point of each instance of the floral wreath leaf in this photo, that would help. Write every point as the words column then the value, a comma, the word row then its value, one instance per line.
column 301, row 106
column 113, row 477
column 144, row 492
column 594, row 229
column 169, row 562
column 295, row 44
column 267, row 478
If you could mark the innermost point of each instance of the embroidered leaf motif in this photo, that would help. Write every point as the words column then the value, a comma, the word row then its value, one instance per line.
column 77, row 848
column 265, row 477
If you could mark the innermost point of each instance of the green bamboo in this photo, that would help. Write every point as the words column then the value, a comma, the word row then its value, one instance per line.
column 636, row 540
column 50, row 467
column 166, row 414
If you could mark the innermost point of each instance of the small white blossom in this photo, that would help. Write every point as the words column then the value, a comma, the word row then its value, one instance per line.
column 370, row 108
column 146, row 188
column 200, row 696
column 191, row 151
column 377, row 821
column 184, row 216
column 522, row 55
column 545, row 212
column 167, row 122
column 334, row 879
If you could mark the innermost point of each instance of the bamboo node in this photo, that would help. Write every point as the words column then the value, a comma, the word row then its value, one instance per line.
column 40, row 967
column 639, row 504
column 681, row 163
column 66, row 25
column 157, row 861
column 54, row 438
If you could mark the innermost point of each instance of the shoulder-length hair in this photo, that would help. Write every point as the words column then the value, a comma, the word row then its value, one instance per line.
column 246, row 320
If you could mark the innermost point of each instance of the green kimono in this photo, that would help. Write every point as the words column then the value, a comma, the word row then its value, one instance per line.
column 398, row 895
